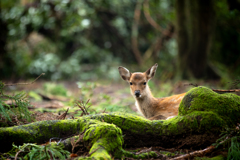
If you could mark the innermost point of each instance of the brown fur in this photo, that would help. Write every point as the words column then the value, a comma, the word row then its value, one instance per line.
column 151, row 107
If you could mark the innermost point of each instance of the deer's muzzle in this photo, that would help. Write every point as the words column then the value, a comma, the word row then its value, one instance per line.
column 137, row 93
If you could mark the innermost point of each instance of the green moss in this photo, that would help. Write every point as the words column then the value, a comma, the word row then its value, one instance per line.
column 219, row 157
column 169, row 154
column 38, row 132
column 146, row 155
column 195, row 121
column 226, row 106
column 201, row 111
column 105, row 139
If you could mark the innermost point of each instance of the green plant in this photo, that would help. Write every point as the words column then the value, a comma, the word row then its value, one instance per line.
column 86, row 89
column 19, row 100
column 234, row 151
column 55, row 89
column 31, row 151
column 231, row 138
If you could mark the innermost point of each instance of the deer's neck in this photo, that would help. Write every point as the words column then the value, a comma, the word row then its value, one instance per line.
column 146, row 104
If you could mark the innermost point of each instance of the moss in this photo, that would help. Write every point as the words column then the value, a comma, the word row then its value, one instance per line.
column 146, row 155
column 226, row 106
column 169, row 154
column 219, row 157
column 198, row 121
column 38, row 132
column 105, row 139
column 201, row 111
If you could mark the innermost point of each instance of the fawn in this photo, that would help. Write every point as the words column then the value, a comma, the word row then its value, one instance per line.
column 151, row 107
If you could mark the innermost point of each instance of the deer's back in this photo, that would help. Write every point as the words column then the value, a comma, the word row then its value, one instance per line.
column 168, row 106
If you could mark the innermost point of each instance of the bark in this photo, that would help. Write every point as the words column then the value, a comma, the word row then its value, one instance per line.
column 202, row 115
column 195, row 25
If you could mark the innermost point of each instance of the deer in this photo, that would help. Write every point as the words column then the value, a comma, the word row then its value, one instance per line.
column 150, row 107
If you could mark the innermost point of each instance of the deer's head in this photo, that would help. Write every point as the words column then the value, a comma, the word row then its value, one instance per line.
column 138, row 80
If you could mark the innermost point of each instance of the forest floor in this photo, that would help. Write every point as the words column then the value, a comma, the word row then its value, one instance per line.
column 50, row 100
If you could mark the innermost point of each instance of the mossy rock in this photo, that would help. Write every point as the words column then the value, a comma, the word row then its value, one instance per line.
column 202, row 99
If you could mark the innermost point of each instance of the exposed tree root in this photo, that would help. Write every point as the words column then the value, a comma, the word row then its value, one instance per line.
column 199, row 153
column 104, row 135
column 102, row 131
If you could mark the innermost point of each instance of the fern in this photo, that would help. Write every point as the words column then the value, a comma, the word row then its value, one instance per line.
column 3, row 110
column 21, row 102
column 231, row 138
column 234, row 151
column 31, row 151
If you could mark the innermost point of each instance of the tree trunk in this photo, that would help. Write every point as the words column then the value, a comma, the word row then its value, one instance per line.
column 6, row 63
column 195, row 24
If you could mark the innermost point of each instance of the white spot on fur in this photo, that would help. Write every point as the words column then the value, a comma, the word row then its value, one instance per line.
column 170, row 117
column 138, row 108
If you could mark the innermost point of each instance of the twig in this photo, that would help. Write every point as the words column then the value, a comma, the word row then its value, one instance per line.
column 25, row 83
column 74, row 144
column 63, row 116
column 196, row 153
column 79, row 105
column 215, row 90
column 190, row 84
column 82, row 106
column 17, row 154
column 22, row 150
column 87, row 107
column 104, row 110
column 225, row 91
column 144, row 151
column 204, row 151
column 93, row 151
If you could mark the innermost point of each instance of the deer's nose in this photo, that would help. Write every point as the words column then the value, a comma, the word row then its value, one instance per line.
column 137, row 93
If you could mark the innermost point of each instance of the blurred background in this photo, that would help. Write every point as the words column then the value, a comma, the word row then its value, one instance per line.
column 89, row 39
column 79, row 45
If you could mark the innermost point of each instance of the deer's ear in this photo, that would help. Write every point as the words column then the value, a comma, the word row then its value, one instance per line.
column 151, row 71
column 125, row 74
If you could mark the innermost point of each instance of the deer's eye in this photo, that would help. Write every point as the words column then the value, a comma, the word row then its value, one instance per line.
column 144, row 83
column 130, row 83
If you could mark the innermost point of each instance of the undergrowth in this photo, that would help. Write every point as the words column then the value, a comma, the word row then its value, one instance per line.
column 18, row 108
column 231, row 138
column 32, row 151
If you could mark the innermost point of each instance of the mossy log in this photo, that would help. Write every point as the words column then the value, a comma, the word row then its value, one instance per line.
column 202, row 116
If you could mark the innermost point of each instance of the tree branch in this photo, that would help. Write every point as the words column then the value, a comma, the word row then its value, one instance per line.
column 134, row 36
column 148, row 16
